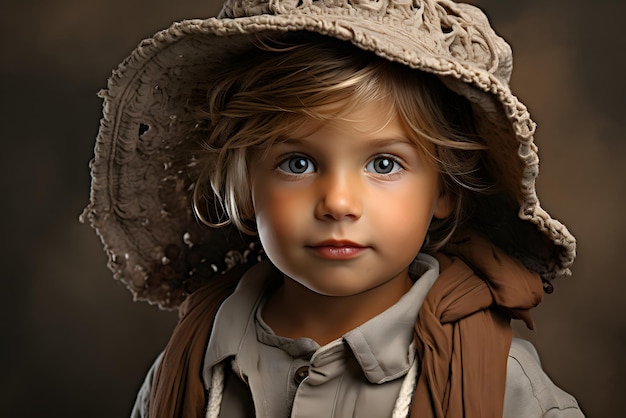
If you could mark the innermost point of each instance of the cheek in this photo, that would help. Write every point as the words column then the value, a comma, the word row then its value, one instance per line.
column 408, row 213
column 276, row 213
column 406, row 216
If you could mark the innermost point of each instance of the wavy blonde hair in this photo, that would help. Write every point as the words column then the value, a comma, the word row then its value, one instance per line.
column 262, row 94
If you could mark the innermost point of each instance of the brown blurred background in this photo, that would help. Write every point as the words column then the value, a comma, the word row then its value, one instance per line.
column 73, row 344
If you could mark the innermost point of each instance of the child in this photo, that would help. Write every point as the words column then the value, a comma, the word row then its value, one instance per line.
column 369, row 225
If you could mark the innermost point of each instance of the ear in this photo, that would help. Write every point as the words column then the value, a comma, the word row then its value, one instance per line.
column 443, row 206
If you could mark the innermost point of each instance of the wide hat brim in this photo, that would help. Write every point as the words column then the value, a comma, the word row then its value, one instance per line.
column 142, row 180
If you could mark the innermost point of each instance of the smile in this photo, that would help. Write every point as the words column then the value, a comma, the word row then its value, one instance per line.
column 338, row 250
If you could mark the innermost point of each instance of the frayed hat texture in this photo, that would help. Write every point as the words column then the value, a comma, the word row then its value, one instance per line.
column 142, row 180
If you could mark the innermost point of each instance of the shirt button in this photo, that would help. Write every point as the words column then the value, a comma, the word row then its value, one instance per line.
column 300, row 374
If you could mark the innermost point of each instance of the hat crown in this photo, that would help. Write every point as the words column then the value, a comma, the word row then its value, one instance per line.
column 243, row 8
column 452, row 31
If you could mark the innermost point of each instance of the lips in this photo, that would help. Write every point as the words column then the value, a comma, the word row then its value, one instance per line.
column 338, row 249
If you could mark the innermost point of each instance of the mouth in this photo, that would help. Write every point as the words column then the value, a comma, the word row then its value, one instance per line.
column 338, row 249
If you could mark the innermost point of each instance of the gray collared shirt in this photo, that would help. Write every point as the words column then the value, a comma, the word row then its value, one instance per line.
column 358, row 375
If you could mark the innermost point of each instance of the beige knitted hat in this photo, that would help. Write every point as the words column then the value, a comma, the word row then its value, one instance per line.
column 141, row 185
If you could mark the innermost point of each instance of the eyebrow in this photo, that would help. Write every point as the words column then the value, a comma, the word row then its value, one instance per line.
column 392, row 140
column 379, row 142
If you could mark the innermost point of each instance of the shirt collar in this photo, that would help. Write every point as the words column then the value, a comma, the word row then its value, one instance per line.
column 236, row 315
column 382, row 345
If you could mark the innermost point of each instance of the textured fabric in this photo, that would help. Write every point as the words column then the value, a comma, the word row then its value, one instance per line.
column 463, row 334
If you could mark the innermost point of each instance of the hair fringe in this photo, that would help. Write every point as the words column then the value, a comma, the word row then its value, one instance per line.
column 263, row 94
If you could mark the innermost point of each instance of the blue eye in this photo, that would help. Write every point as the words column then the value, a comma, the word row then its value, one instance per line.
column 297, row 165
column 383, row 165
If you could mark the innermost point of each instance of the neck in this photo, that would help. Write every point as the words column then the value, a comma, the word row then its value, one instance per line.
column 295, row 311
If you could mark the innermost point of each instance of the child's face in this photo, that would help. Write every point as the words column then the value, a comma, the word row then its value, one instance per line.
column 345, row 208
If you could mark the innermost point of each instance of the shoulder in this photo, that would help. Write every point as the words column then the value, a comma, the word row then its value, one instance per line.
column 140, row 408
column 529, row 390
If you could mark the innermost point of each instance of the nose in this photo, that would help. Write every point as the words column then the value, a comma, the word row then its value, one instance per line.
column 339, row 198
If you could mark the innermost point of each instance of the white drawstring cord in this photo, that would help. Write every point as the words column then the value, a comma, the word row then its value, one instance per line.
column 403, row 403
column 216, row 391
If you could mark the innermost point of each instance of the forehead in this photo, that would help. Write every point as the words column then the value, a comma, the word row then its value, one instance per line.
column 348, row 115
column 376, row 120
column 367, row 111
